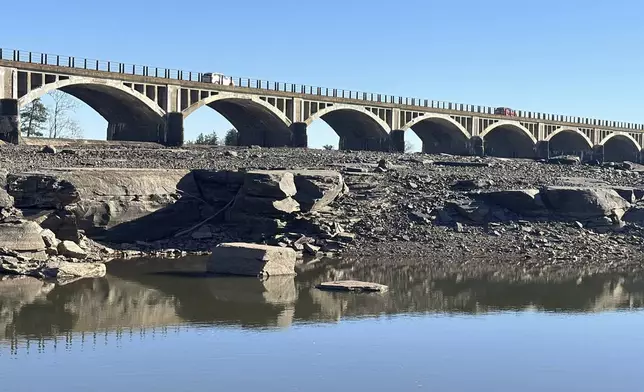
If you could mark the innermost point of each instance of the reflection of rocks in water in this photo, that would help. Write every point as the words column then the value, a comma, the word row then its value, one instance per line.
column 132, row 296
column 16, row 292
column 93, row 305
column 419, row 289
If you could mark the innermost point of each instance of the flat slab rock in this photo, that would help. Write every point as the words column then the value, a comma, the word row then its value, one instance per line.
column 238, row 258
column 352, row 285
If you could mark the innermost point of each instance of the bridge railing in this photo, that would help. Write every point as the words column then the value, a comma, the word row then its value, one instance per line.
column 175, row 74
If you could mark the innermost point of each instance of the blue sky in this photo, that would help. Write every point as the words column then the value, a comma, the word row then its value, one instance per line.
column 570, row 57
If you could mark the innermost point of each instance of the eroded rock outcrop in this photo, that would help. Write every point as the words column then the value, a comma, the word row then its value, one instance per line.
column 252, row 260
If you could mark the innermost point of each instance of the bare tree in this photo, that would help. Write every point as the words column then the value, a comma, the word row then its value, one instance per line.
column 60, row 123
column 409, row 147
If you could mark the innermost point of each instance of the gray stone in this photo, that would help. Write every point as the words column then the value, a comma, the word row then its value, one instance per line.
column 265, row 206
column 49, row 238
column 352, row 285
column 519, row 201
column 71, row 249
column 232, row 154
column 474, row 211
column 48, row 150
column 66, row 270
column 21, row 236
column 584, row 203
column 202, row 233
column 6, row 200
column 311, row 249
column 565, row 160
column 252, row 260
column 634, row 214
column 472, row 184
column 277, row 184
column 317, row 188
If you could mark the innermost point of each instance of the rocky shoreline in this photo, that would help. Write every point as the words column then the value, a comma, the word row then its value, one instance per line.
column 81, row 204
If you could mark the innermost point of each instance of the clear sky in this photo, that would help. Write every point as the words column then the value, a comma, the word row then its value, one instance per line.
column 571, row 57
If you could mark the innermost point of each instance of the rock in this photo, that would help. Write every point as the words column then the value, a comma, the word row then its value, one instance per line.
column 311, row 249
column 218, row 186
column 345, row 237
column 277, row 184
column 49, row 238
column 202, row 233
column 113, row 204
column 634, row 214
column 252, row 260
column 66, row 270
column 584, row 203
column 458, row 227
column 472, row 184
column 265, row 206
column 232, row 154
column 520, row 201
column 474, row 211
column 71, row 249
column 352, row 285
column 21, row 236
column 565, row 160
column 48, row 150
column 419, row 217
column 629, row 194
column 6, row 200
column 51, row 269
column 461, row 164
column 315, row 189
column 383, row 164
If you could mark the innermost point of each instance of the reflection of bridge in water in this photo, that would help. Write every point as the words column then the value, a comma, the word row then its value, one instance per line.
column 123, row 306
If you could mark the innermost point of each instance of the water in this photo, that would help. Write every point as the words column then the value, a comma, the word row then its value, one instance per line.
column 157, row 326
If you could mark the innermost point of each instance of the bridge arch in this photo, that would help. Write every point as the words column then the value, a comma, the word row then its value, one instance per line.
column 130, row 114
column 620, row 146
column 509, row 139
column 569, row 141
column 358, row 128
column 257, row 121
column 440, row 133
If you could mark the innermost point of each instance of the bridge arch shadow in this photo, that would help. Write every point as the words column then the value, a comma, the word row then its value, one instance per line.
column 508, row 139
column 440, row 134
column 258, row 122
column 358, row 128
column 569, row 141
column 620, row 147
column 130, row 115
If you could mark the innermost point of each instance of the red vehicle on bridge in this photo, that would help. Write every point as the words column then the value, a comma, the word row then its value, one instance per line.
column 505, row 112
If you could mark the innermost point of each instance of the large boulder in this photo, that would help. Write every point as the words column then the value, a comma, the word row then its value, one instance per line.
column 21, row 236
column 218, row 186
column 277, row 184
column 520, row 201
column 6, row 200
column 110, row 204
column 53, row 269
column 252, row 260
column 265, row 206
column 584, row 203
column 317, row 188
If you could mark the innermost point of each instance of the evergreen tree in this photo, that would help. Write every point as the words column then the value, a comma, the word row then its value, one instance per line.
column 211, row 139
column 232, row 137
column 33, row 118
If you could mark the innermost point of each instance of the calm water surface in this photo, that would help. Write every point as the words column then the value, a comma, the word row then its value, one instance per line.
column 159, row 326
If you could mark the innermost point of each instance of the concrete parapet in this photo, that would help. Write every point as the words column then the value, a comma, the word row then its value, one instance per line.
column 9, row 121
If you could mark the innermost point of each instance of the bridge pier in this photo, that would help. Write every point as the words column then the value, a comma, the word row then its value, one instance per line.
column 397, row 140
column 300, row 137
column 476, row 146
column 174, row 129
column 119, row 131
column 598, row 153
column 9, row 121
column 543, row 149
